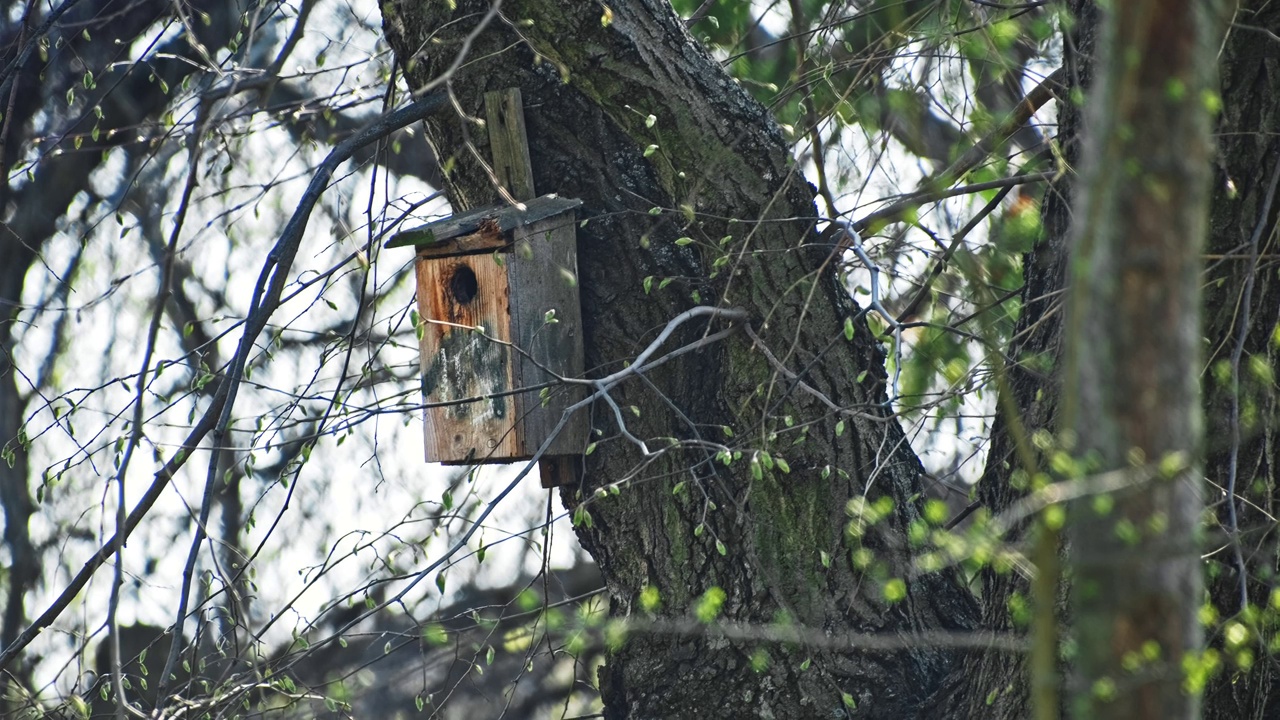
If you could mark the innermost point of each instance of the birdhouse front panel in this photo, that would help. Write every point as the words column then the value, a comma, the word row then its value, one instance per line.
column 464, row 306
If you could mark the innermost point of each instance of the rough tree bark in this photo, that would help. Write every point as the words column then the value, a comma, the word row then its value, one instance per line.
column 721, row 168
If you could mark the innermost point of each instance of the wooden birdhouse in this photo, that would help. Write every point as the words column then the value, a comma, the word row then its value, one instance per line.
column 499, row 319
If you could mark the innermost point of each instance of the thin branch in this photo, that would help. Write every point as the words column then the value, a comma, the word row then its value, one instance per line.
column 1242, row 333
column 266, row 298
column 940, row 264
column 897, row 209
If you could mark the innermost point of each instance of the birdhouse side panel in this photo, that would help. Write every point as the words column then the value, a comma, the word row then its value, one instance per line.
column 465, row 315
column 546, row 318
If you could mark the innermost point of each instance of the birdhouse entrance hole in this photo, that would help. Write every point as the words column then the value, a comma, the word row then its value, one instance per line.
column 463, row 285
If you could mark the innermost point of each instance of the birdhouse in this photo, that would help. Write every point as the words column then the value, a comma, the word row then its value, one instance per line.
column 499, row 322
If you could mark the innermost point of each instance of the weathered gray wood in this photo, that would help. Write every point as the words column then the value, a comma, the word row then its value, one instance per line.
column 457, row 234
column 508, row 143
column 546, row 324
column 509, row 149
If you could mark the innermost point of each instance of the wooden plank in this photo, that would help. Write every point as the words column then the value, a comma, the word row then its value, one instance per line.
column 543, row 272
column 487, row 236
column 481, row 229
column 509, row 149
column 508, row 142
column 560, row 470
column 454, row 296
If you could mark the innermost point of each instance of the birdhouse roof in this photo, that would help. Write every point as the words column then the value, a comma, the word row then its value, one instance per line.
column 481, row 229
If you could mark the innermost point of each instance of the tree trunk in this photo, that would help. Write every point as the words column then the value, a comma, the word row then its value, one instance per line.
column 993, row 684
column 1133, row 355
column 721, row 168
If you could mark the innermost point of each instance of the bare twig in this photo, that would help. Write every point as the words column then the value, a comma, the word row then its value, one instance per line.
column 1242, row 332
column 266, row 298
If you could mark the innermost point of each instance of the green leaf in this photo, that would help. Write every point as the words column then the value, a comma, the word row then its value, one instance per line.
column 708, row 606
column 839, row 428
column 650, row 121
column 650, row 598
column 848, row 328
column 684, row 241
column 650, row 150
column 648, row 284
column 434, row 634
column 895, row 590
